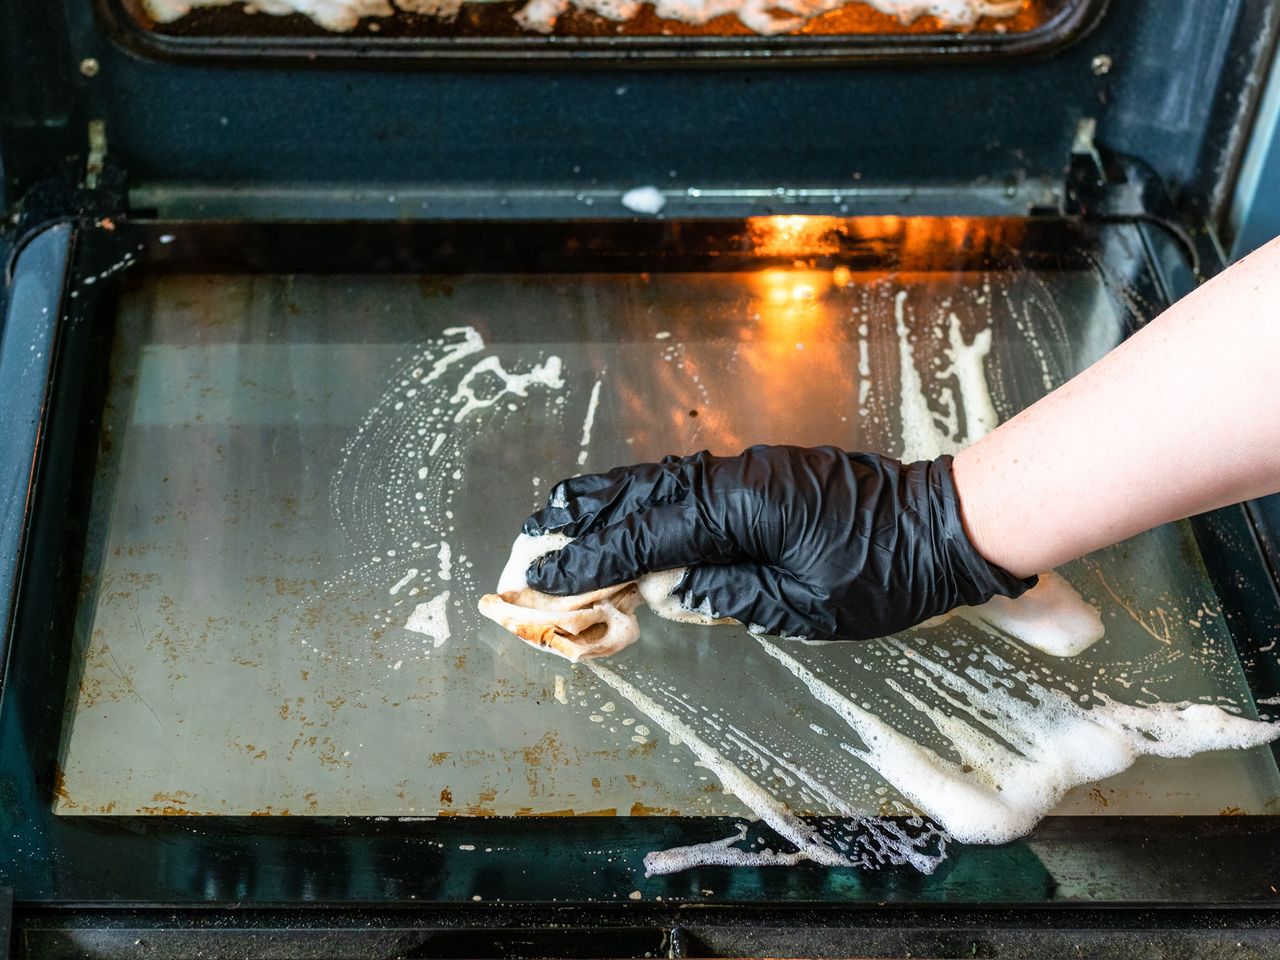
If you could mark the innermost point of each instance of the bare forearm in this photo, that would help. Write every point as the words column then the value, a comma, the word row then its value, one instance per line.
column 1181, row 418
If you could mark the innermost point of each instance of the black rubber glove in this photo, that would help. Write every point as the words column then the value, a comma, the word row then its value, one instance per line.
column 793, row 541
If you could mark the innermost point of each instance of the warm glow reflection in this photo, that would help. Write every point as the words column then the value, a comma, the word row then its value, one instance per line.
column 795, row 236
column 782, row 287
column 790, row 301
column 805, row 237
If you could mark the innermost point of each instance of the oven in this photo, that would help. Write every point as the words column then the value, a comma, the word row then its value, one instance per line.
column 307, row 305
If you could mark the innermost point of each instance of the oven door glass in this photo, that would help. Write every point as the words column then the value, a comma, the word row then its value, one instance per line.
column 304, row 483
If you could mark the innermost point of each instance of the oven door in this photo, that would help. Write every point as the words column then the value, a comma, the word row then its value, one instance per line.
column 262, row 474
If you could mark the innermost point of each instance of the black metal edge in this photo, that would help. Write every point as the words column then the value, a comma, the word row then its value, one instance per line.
column 6, row 922
column 1236, row 100
column 615, row 919
column 81, row 854
column 1243, row 580
column 1264, row 514
column 27, row 358
column 1249, row 590
column 127, row 32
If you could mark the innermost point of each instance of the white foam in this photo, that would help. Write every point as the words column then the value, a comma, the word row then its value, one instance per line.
column 922, row 437
column 925, row 433
column 524, row 551
column 864, row 369
column 658, row 591
column 546, row 374
column 761, row 803
column 879, row 842
column 968, row 365
column 588, row 422
column 431, row 619
column 637, row 199
column 762, row 15
column 717, row 853
column 1019, row 754
column 1051, row 617
column 404, row 581
column 471, row 342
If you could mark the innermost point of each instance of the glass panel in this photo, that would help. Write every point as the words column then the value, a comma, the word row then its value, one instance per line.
column 307, row 482
column 471, row 19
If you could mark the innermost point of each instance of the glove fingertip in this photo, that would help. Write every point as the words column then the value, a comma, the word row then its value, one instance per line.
column 545, row 575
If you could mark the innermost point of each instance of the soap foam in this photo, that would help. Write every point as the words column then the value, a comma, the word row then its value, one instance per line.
column 927, row 434
column 431, row 619
column 1051, row 617
column 1018, row 754
column 637, row 199
column 546, row 374
column 588, row 422
column 873, row 842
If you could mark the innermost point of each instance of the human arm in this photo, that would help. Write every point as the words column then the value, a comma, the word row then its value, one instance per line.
column 1181, row 418
column 816, row 542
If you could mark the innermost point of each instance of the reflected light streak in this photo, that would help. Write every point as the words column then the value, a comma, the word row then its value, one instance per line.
column 795, row 236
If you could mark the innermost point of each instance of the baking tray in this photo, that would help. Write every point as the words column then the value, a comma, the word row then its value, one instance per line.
column 485, row 32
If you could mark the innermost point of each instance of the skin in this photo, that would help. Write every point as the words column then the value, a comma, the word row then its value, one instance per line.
column 1181, row 418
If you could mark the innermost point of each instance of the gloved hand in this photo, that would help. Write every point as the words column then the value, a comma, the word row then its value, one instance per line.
column 794, row 541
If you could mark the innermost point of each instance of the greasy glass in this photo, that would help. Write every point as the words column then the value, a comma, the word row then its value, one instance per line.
column 297, row 472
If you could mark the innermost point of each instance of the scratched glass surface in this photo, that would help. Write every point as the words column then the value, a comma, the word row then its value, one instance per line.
column 306, row 483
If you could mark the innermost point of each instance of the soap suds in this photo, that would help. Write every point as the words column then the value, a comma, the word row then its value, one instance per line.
column 1051, row 616
column 638, row 199
column 431, row 619
column 927, row 433
column 471, row 342
column 546, row 374
column 805, row 837
column 588, row 422
column 1018, row 754
column 404, row 581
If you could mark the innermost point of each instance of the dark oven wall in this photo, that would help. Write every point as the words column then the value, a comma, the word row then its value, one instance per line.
column 1171, row 83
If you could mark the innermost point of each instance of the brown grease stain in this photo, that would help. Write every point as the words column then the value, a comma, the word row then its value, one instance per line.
column 639, row 809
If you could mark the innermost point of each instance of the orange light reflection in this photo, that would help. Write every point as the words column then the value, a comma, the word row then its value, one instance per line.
column 795, row 236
